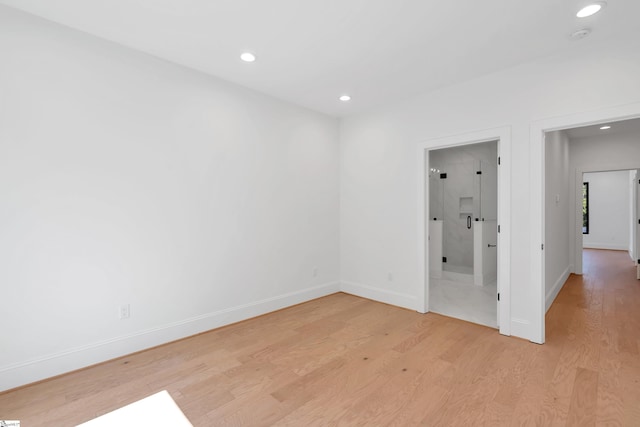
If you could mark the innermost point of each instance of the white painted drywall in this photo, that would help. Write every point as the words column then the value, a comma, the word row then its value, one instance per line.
column 125, row 179
column 379, row 200
column 557, row 214
column 605, row 152
column 608, row 210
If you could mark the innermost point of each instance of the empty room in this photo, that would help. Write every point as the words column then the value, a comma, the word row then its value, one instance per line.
column 319, row 212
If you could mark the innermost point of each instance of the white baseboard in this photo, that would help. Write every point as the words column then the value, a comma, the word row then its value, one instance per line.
column 40, row 368
column 521, row 328
column 380, row 295
column 610, row 246
column 557, row 286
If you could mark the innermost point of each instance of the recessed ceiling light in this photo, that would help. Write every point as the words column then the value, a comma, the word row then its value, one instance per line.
column 605, row 127
column 345, row 98
column 590, row 9
column 248, row 57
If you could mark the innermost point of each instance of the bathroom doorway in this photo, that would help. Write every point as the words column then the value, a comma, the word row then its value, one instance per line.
column 463, row 232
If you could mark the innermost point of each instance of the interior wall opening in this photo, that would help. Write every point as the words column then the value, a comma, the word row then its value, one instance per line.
column 591, row 191
column 463, row 231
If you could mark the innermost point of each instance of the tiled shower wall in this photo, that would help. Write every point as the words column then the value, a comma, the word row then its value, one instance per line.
column 462, row 194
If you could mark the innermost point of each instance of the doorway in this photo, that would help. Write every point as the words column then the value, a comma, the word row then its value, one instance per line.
column 610, row 221
column 463, row 261
column 609, row 159
column 463, row 232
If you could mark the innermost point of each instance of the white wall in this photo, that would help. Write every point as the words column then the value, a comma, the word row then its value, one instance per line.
column 379, row 200
column 608, row 210
column 557, row 214
column 126, row 179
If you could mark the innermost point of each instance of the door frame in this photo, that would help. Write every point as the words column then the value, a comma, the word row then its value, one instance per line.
column 536, row 192
column 503, row 136
column 637, row 217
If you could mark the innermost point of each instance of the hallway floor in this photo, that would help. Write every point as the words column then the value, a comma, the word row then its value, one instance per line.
column 592, row 349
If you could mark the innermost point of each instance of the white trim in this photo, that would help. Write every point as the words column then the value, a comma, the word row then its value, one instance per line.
column 423, row 229
column 520, row 327
column 40, row 368
column 536, row 145
column 381, row 295
column 606, row 246
column 503, row 135
column 577, row 223
column 553, row 293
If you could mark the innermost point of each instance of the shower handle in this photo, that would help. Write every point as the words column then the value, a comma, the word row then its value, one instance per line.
column 469, row 222
column 491, row 246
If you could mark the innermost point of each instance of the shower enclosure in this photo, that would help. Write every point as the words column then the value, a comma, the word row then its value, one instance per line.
column 463, row 212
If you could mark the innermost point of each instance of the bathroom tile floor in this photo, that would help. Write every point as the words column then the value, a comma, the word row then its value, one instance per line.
column 464, row 301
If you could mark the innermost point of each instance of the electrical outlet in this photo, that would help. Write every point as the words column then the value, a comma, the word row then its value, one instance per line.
column 390, row 277
column 314, row 272
column 124, row 311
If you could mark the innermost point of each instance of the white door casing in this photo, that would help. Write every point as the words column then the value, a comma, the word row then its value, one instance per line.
column 503, row 136
column 536, row 191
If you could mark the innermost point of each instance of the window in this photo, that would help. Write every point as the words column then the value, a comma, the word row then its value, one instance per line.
column 585, row 208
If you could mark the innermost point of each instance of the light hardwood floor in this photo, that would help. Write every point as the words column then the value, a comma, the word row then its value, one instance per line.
column 349, row 361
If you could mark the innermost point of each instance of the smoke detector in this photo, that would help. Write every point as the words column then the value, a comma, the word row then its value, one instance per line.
column 580, row 34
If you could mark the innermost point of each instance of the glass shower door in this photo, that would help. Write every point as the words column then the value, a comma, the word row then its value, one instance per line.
column 461, row 187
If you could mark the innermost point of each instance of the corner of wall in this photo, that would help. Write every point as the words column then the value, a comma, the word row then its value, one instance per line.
column 48, row 366
column 380, row 295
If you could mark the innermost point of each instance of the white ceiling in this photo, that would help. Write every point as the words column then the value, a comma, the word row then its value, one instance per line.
column 311, row 51
column 624, row 127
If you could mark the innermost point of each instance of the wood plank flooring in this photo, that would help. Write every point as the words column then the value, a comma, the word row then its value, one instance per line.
column 343, row 360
